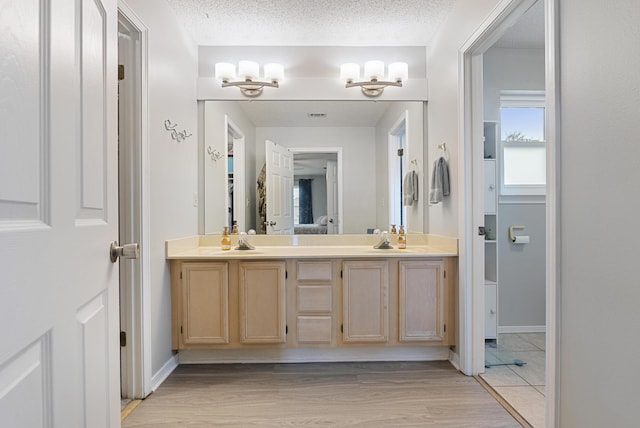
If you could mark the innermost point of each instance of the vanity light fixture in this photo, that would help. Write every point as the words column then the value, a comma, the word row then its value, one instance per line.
column 374, row 71
column 247, row 78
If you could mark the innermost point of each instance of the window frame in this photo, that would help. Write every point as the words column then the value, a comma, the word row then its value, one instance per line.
column 521, row 99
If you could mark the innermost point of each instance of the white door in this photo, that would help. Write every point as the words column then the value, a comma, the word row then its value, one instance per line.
column 58, row 213
column 332, row 197
column 279, row 162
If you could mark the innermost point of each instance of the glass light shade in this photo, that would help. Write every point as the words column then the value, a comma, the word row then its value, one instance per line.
column 398, row 71
column 248, row 70
column 273, row 72
column 350, row 71
column 225, row 71
column 374, row 70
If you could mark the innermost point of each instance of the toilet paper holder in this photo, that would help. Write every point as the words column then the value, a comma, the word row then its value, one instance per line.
column 511, row 229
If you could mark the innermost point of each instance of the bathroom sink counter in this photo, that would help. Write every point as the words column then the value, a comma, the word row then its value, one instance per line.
column 301, row 247
column 301, row 298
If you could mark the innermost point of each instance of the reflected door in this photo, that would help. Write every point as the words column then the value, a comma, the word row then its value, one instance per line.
column 279, row 161
column 332, row 197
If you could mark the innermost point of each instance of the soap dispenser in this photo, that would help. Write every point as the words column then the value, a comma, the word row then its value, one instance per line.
column 402, row 239
column 394, row 235
column 226, row 240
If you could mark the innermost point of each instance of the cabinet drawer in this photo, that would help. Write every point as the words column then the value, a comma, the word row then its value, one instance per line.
column 314, row 329
column 314, row 271
column 314, row 298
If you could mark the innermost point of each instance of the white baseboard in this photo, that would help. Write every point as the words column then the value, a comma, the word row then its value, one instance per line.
column 454, row 359
column 522, row 329
column 316, row 355
column 164, row 372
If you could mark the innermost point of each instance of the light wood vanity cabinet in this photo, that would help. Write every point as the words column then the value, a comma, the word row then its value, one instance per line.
column 205, row 304
column 311, row 303
column 422, row 300
column 262, row 302
column 365, row 301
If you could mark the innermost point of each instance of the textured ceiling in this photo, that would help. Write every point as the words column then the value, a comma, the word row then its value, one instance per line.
column 312, row 22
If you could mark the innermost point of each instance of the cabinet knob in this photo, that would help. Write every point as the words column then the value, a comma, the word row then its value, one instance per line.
column 491, row 187
column 492, row 312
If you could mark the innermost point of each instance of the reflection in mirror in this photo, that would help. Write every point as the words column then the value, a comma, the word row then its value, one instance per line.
column 315, row 198
column 367, row 180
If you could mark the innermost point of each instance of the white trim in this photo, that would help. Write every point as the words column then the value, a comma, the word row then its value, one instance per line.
column 139, row 313
column 306, row 355
column 522, row 329
column 338, row 152
column 521, row 200
column 553, row 212
column 454, row 359
column 164, row 372
column 239, row 206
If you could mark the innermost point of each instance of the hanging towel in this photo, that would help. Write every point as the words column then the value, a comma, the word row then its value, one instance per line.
column 439, row 181
column 410, row 188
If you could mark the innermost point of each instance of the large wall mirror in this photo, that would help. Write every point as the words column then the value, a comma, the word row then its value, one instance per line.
column 310, row 167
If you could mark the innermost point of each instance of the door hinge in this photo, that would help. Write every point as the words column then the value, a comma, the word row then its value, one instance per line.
column 180, row 329
column 123, row 339
column 120, row 72
column 286, row 274
column 286, row 329
column 445, row 273
column 340, row 274
column 341, row 328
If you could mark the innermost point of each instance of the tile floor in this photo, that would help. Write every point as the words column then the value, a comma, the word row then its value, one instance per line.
column 522, row 387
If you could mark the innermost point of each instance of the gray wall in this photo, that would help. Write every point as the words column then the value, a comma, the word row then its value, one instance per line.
column 599, row 289
column 521, row 267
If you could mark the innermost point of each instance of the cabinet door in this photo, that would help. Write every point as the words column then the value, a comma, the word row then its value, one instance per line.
column 490, row 186
column 365, row 301
column 262, row 302
column 421, row 296
column 205, row 304
column 491, row 311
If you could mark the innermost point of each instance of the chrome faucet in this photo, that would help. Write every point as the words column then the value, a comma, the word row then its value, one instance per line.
column 243, row 242
column 384, row 243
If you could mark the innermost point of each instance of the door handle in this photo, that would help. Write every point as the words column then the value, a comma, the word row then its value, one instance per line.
column 270, row 223
column 127, row 251
column 330, row 220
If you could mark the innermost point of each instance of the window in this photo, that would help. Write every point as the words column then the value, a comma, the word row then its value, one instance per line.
column 522, row 143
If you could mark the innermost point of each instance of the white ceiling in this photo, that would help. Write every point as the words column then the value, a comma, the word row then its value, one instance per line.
column 312, row 22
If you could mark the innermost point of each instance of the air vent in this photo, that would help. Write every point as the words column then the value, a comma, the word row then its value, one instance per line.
column 317, row 115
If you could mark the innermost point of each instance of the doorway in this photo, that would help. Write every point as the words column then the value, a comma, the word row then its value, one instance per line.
column 133, row 191
column 323, row 166
column 236, row 171
column 398, row 167
column 479, row 252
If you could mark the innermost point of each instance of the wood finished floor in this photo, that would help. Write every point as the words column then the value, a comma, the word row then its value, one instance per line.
column 390, row 394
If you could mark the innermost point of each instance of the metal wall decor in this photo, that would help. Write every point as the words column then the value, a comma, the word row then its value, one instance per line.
column 215, row 155
column 177, row 136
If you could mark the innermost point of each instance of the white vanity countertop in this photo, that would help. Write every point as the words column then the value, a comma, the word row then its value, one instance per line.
column 305, row 246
